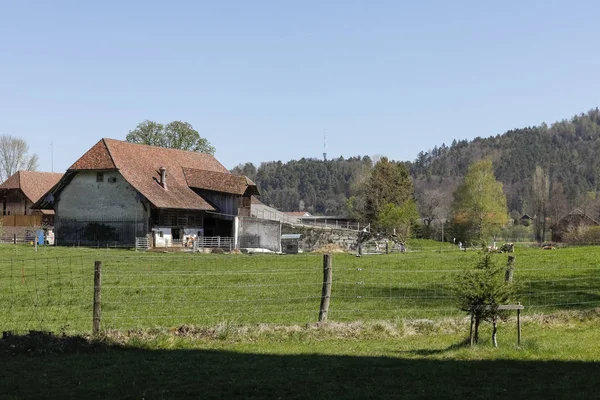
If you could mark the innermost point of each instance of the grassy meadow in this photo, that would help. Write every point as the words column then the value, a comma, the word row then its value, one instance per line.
column 243, row 326
column 52, row 289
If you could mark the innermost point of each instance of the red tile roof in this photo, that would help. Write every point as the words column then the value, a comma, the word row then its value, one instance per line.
column 33, row 184
column 219, row 182
column 140, row 165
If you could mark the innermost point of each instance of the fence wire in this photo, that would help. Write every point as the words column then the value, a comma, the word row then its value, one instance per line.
column 166, row 290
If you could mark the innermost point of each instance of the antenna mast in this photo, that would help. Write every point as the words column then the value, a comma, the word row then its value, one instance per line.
column 51, row 157
column 325, row 146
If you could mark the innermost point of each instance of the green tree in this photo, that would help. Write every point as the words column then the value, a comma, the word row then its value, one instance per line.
column 390, row 183
column 147, row 132
column 479, row 291
column 175, row 135
column 479, row 202
column 398, row 219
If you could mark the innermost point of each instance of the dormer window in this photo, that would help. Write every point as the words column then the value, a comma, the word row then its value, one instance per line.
column 99, row 176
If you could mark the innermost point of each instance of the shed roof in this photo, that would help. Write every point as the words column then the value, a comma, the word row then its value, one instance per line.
column 219, row 182
column 290, row 236
column 33, row 184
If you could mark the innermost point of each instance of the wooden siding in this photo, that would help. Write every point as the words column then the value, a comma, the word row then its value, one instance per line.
column 21, row 220
column 183, row 218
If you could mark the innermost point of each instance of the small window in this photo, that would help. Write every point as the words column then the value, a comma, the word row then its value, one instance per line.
column 100, row 177
column 112, row 179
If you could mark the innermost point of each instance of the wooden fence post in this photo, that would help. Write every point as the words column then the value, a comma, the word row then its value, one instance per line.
column 326, row 292
column 471, row 328
column 97, row 297
column 510, row 268
column 519, row 326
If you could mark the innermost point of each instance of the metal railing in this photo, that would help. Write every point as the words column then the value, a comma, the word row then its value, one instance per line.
column 336, row 224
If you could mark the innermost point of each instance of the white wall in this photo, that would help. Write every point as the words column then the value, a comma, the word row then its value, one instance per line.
column 86, row 199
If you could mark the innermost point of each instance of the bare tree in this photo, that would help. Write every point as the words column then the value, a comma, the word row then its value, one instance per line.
column 433, row 204
column 14, row 156
column 540, row 194
column 558, row 205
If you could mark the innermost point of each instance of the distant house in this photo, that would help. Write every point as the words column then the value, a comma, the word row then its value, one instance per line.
column 571, row 222
column 18, row 194
column 118, row 191
column 525, row 220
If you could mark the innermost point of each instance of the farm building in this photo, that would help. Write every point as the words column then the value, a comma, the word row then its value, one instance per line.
column 118, row 191
column 576, row 219
column 18, row 194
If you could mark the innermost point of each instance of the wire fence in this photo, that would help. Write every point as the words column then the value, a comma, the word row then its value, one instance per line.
column 166, row 291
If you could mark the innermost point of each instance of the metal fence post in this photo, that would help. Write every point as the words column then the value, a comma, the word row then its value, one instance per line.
column 326, row 291
column 97, row 297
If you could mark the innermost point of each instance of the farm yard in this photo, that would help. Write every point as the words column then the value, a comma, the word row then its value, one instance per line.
column 241, row 325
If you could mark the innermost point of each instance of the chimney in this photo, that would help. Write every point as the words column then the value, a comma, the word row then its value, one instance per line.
column 163, row 177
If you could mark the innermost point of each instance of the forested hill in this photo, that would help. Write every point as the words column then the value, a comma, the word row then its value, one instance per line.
column 568, row 151
column 317, row 186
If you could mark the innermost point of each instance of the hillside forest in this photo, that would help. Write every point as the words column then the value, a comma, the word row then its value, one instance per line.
column 545, row 170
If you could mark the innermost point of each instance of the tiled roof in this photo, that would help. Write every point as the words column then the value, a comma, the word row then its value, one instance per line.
column 33, row 184
column 219, row 182
column 140, row 165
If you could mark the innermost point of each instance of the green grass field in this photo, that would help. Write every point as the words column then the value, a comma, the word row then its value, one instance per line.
column 53, row 288
column 241, row 326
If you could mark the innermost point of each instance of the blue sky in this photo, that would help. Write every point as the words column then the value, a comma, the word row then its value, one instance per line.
column 264, row 80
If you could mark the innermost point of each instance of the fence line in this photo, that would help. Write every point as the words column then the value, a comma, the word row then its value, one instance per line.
column 146, row 291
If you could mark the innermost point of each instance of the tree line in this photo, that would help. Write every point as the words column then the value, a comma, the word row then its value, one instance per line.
column 541, row 171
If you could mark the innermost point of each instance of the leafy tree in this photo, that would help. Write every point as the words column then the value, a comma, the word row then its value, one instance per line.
column 148, row 132
column 390, row 183
column 14, row 156
column 398, row 219
column 479, row 291
column 479, row 202
column 175, row 135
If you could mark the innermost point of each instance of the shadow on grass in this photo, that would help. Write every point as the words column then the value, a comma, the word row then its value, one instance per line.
column 430, row 352
column 78, row 368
